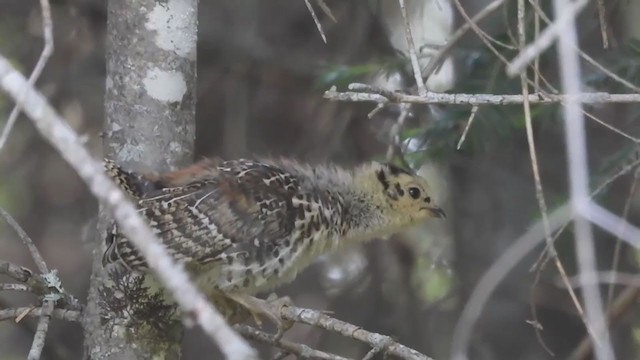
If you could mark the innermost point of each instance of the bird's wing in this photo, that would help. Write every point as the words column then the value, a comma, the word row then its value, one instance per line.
column 246, row 206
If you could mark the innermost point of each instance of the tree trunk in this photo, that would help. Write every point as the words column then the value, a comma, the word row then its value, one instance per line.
column 150, row 125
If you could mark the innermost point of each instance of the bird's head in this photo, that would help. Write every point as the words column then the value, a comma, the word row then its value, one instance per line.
column 403, row 197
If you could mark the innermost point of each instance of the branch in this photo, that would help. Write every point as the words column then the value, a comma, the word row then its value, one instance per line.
column 33, row 250
column 41, row 285
column 19, row 313
column 627, row 299
column 581, row 204
column 546, row 38
column 16, row 272
column 303, row 351
column 47, row 50
column 316, row 20
column 41, row 331
column 439, row 57
column 495, row 274
column 375, row 340
column 367, row 93
column 412, row 51
column 56, row 130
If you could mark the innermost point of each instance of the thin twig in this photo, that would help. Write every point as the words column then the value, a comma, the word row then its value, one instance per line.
column 602, row 16
column 612, row 223
column 33, row 250
column 474, row 110
column 606, row 277
column 326, row 9
column 394, row 151
column 57, row 131
column 494, row 276
column 47, row 50
column 315, row 20
column 617, row 249
column 558, row 219
column 301, row 350
column 627, row 299
column 417, row 73
column 542, row 204
column 41, row 330
column 610, row 127
column 541, row 262
column 481, row 34
column 438, row 58
column 484, row 37
column 585, row 56
column 318, row 319
column 536, row 35
column 546, row 38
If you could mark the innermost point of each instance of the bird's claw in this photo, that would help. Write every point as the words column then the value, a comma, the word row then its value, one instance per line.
column 269, row 308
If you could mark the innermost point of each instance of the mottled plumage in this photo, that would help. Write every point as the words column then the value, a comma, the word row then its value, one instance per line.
column 246, row 226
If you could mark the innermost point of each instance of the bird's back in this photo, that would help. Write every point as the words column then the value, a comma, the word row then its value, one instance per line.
column 238, row 225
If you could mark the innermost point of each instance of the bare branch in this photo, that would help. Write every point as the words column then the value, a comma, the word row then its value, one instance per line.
column 66, row 141
column 585, row 56
column 472, row 116
column 627, row 299
column 315, row 20
column 546, row 38
column 602, row 17
column 394, row 150
column 440, row 56
column 41, row 330
column 495, row 274
column 38, row 284
column 301, row 350
column 33, row 250
column 326, row 9
column 318, row 319
column 365, row 93
column 618, row 247
column 47, row 31
column 422, row 90
column 19, row 273
column 542, row 204
column 484, row 37
column 62, row 314
column 581, row 204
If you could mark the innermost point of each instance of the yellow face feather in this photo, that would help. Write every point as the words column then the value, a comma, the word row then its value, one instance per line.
column 405, row 198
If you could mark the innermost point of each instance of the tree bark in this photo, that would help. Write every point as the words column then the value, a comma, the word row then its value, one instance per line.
column 150, row 125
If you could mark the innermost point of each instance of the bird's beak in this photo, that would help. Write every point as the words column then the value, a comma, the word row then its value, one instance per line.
column 437, row 212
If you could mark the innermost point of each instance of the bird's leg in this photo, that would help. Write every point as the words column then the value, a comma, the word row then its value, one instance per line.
column 269, row 308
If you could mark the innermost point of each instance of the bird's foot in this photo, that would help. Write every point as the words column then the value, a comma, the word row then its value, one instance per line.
column 269, row 308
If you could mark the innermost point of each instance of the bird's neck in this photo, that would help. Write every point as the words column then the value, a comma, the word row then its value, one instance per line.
column 363, row 218
column 365, row 214
column 362, row 212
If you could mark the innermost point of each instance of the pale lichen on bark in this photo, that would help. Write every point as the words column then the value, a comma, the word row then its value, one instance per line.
column 150, row 125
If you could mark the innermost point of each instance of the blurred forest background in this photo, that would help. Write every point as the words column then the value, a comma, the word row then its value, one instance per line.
column 262, row 71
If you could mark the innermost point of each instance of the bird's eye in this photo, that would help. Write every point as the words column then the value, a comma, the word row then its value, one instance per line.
column 414, row 192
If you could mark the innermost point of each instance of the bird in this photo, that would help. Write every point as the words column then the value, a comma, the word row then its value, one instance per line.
column 242, row 227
